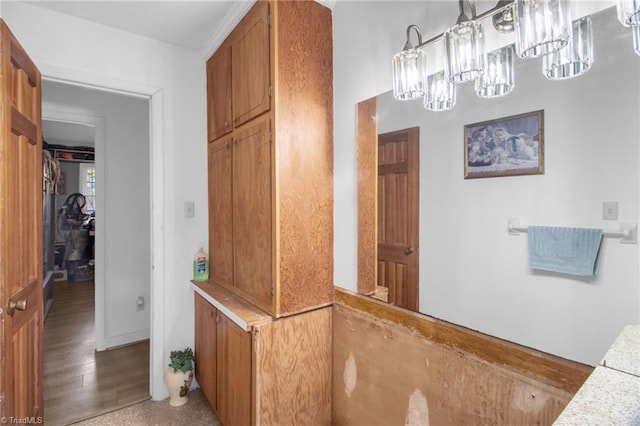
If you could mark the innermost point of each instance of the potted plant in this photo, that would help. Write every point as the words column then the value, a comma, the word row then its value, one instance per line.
column 179, row 376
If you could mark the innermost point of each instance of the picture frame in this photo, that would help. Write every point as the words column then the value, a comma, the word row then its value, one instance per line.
column 506, row 146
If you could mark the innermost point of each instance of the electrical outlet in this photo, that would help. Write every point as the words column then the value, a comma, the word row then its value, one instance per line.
column 189, row 209
column 610, row 210
column 140, row 303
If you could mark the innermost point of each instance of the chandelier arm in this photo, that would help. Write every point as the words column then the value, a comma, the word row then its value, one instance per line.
column 499, row 8
column 408, row 44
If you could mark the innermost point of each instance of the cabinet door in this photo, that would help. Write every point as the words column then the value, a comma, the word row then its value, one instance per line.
column 251, row 66
column 252, row 214
column 219, row 92
column 205, row 348
column 234, row 373
column 220, row 219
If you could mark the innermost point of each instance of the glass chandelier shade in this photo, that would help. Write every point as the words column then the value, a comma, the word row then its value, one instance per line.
column 629, row 12
column 441, row 93
column 497, row 79
column 541, row 26
column 575, row 58
column 464, row 52
column 409, row 67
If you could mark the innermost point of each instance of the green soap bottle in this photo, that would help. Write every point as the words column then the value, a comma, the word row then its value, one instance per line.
column 201, row 265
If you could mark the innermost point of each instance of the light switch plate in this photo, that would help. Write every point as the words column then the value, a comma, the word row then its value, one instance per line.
column 610, row 210
column 189, row 209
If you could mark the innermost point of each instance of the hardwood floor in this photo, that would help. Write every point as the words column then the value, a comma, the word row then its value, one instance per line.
column 78, row 381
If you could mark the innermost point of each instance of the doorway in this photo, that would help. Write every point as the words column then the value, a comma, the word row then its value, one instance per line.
column 121, row 206
column 398, row 181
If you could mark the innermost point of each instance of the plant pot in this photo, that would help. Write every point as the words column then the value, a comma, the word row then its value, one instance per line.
column 178, row 384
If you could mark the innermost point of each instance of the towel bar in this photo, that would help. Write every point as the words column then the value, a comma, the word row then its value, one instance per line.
column 628, row 232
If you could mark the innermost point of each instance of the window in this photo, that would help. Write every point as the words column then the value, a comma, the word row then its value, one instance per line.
column 88, row 186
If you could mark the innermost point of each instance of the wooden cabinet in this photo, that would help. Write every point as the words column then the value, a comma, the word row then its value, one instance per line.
column 238, row 75
column 269, row 371
column 219, row 115
column 252, row 214
column 234, row 377
column 279, row 167
column 220, row 211
column 250, row 65
column 206, row 348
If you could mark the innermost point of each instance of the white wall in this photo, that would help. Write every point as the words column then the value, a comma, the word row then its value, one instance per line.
column 68, row 48
column 472, row 272
column 123, row 205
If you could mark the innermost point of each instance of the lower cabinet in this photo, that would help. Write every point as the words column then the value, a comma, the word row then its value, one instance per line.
column 267, row 372
column 234, row 372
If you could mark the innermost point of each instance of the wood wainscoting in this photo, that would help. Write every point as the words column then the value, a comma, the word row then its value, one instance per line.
column 393, row 366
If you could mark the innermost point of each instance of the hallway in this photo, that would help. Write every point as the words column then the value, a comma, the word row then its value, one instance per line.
column 78, row 382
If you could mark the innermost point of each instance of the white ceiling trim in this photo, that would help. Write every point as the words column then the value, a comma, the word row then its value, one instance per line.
column 328, row 3
column 231, row 19
column 229, row 22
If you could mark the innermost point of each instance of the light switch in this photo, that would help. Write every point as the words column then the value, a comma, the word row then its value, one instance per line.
column 610, row 210
column 189, row 209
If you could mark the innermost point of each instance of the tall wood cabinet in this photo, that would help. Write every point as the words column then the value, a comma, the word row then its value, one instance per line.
column 270, row 104
column 263, row 320
column 267, row 372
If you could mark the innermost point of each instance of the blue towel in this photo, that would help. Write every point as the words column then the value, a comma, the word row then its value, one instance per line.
column 573, row 251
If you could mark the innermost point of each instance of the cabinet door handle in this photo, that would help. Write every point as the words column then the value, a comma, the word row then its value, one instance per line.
column 226, row 124
column 408, row 250
column 235, row 141
column 235, row 119
column 227, row 145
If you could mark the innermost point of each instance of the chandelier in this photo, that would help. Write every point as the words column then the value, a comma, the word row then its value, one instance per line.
column 542, row 28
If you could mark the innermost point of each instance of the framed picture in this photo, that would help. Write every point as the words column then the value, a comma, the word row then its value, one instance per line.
column 506, row 146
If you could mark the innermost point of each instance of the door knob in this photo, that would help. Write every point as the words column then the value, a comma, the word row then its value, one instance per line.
column 408, row 250
column 20, row 305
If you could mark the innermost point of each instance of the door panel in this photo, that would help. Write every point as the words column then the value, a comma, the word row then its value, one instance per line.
column 252, row 214
column 220, row 212
column 398, row 173
column 234, row 373
column 20, row 232
column 219, row 92
column 205, row 349
column 250, row 65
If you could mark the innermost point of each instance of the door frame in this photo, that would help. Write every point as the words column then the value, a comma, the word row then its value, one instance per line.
column 155, row 95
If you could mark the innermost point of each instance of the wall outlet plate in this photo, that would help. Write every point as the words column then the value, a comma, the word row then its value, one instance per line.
column 610, row 210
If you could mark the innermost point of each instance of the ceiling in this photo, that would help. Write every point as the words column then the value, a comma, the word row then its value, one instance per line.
column 70, row 134
column 195, row 25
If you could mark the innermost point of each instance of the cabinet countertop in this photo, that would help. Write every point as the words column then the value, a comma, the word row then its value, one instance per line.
column 241, row 312
column 611, row 394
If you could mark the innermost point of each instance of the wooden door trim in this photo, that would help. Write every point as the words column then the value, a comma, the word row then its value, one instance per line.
column 367, row 196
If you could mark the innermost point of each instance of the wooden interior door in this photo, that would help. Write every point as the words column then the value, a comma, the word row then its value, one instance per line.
column 21, row 254
column 234, row 373
column 252, row 214
column 398, row 174
column 220, row 212
column 205, row 348
column 219, row 92
column 250, row 65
